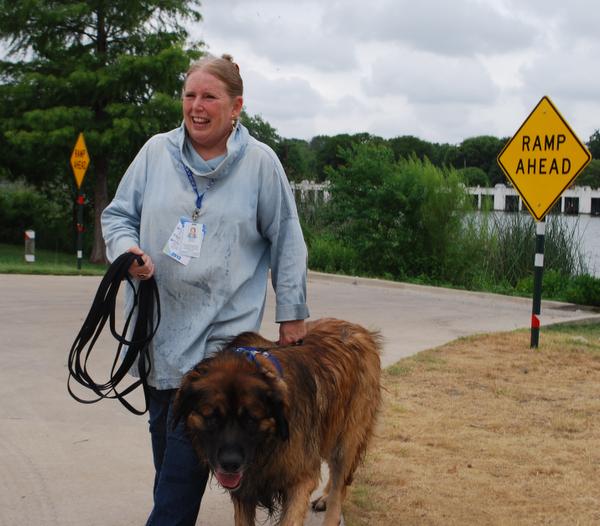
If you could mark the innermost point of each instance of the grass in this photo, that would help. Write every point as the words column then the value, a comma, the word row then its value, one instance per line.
column 487, row 431
column 12, row 261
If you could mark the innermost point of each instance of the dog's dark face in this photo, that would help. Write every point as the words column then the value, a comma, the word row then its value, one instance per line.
column 231, row 409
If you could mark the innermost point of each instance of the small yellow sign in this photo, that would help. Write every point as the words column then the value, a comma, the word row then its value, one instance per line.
column 80, row 160
column 543, row 158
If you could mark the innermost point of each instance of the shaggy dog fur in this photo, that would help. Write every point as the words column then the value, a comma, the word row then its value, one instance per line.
column 264, row 421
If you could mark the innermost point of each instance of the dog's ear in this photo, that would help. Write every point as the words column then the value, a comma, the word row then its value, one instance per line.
column 186, row 397
column 283, row 428
column 278, row 395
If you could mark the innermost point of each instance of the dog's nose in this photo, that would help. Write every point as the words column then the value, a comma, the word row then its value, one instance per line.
column 230, row 459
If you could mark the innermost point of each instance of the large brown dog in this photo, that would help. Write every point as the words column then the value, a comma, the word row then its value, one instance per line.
column 263, row 421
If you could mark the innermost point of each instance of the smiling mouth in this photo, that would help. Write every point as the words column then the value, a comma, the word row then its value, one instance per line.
column 200, row 120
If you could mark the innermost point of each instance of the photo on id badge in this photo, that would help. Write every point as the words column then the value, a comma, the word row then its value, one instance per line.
column 193, row 234
column 185, row 241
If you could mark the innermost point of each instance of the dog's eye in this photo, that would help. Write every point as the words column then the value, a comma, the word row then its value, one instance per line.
column 212, row 420
column 248, row 422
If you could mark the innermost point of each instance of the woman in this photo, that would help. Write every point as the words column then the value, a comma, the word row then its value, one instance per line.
column 211, row 178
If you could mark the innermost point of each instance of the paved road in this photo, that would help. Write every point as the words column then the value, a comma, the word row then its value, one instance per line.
column 63, row 463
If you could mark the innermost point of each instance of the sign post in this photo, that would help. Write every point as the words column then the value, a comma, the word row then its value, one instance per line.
column 80, row 161
column 541, row 161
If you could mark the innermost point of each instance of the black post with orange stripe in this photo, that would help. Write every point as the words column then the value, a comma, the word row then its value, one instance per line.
column 540, row 230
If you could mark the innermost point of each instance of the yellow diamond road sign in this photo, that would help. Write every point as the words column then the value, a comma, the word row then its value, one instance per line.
column 543, row 158
column 80, row 160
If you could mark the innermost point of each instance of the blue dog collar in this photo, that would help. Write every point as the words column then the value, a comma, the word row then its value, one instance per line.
column 251, row 352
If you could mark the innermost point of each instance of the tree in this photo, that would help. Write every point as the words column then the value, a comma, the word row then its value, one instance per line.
column 329, row 150
column 590, row 175
column 297, row 159
column 594, row 144
column 112, row 69
column 408, row 145
column 260, row 129
column 401, row 218
column 474, row 176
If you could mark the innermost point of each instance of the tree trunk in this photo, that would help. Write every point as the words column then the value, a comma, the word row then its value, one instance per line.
column 100, row 203
column 101, row 162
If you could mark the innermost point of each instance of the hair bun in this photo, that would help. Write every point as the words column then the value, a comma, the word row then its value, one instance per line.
column 229, row 58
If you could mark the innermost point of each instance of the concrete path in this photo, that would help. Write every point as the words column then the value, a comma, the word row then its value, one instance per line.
column 68, row 464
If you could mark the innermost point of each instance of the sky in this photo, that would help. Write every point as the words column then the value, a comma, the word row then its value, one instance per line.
column 441, row 70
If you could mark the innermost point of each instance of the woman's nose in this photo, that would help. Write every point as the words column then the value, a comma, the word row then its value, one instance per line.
column 197, row 103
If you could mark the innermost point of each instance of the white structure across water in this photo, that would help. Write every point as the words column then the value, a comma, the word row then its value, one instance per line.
column 575, row 200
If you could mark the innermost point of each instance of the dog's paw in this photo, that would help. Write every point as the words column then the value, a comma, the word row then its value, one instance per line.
column 319, row 504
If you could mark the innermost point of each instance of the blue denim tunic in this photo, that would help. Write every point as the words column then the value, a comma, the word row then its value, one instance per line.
column 251, row 226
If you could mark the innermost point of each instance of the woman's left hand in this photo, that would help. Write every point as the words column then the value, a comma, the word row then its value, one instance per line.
column 291, row 331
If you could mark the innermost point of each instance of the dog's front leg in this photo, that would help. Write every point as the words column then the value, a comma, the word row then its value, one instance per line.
column 244, row 512
column 296, row 503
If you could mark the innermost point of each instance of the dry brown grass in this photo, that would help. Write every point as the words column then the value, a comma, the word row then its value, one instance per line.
column 487, row 431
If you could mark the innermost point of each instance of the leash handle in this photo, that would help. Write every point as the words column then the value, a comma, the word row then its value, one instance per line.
column 147, row 304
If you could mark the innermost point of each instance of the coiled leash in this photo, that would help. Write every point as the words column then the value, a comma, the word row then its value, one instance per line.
column 102, row 310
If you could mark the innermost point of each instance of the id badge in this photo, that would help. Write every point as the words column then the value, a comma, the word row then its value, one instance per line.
column 173, row 246
column 191, row 240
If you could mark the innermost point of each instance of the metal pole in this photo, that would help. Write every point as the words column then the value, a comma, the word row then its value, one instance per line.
column 540, row 230
column 80, row 201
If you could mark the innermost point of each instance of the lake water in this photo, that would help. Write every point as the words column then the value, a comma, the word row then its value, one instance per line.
column 588, row 230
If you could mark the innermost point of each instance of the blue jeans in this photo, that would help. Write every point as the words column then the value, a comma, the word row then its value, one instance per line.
column 180, row 477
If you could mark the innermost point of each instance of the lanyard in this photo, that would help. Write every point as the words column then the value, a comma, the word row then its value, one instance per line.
column 199, row 196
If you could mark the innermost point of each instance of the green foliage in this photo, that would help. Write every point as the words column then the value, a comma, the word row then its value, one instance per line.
column 584, row 290
column 260, row 129
column 593, row 144
column 112, row 70
column 590, row 175
column 410, row 220
column 22, row 207
column 408, row 146
column 399, row 217
column 297, row 158
column 329, row 151
column 481, row 152
column 47, row 261
column 329, row 254
column 506, row 251
column 474, row 176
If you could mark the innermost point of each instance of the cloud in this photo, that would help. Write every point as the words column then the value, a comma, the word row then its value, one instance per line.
column 286, row 33
column 423, row 77
column 448, row 28
column 290, row 97
column 572, row 21
column 564, row 73
column 439, row 70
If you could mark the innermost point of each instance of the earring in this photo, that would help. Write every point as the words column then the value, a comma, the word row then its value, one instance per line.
column 233, row 121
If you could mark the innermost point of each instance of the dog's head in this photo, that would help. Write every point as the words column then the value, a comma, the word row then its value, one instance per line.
column 233, row 410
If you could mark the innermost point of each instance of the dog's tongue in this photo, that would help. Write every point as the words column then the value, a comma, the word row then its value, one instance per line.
column 228, row 480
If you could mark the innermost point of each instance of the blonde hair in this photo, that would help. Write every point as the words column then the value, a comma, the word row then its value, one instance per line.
column 224, row 68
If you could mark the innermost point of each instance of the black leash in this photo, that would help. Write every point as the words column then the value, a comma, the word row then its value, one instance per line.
column 102, row 310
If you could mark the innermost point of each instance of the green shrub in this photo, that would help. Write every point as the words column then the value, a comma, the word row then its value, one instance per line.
column 22, row 207
column 474, row 176
column 584, row 290
column 401, row 217
column 409, row 220
column 328, row 254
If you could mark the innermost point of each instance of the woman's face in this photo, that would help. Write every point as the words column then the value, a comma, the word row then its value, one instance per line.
column 207, row 113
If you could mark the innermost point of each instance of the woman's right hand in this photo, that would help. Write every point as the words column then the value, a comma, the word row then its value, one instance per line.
column 138, row 271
